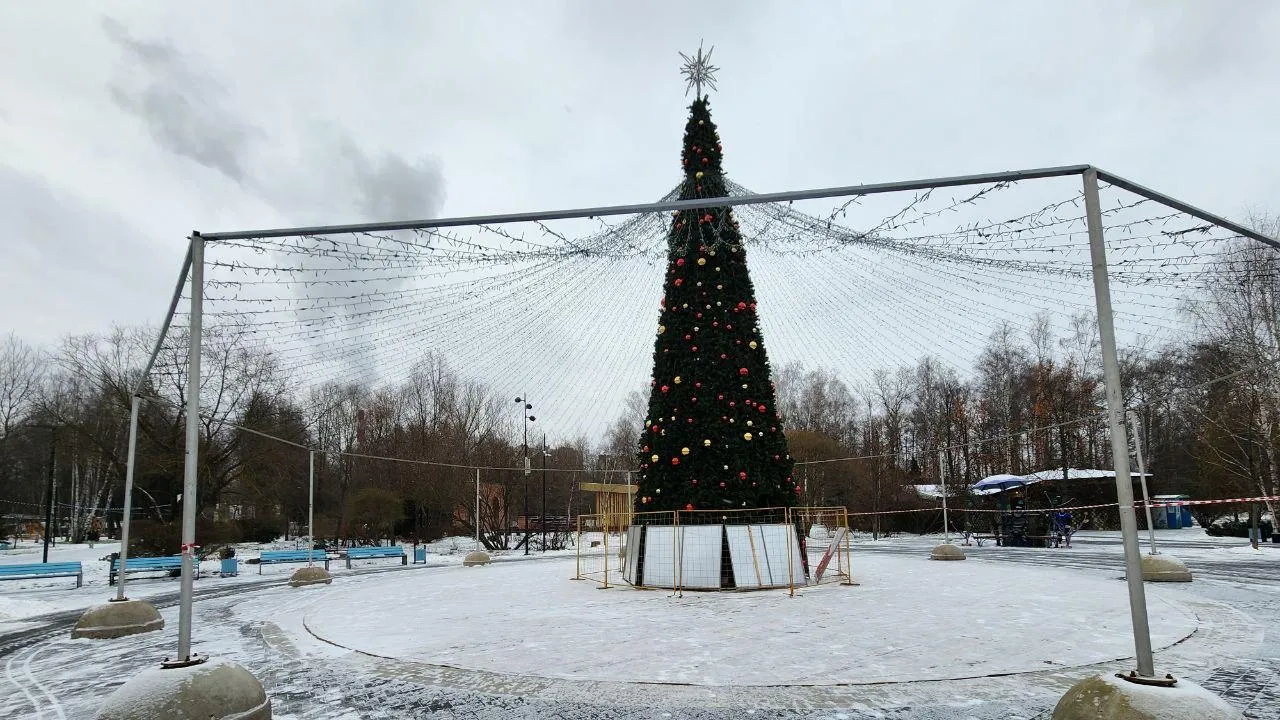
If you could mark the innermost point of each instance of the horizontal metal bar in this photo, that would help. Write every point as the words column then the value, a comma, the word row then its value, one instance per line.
column 1192, row 210
column 667, row 206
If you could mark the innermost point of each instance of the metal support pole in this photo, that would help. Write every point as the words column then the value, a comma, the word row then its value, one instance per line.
column 544, row 492
column 130, row 464
column 1115, row 422
column 946, row 526
column 49, row 490
column 311, row 506
column 1142, row 477
column 477, row 508
column 192, row 464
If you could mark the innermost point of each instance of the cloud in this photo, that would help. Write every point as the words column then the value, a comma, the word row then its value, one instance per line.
column 183, row 107
column 392, row 188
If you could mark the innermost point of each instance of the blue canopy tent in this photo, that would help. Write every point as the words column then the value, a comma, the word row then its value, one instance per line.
column 993, row 484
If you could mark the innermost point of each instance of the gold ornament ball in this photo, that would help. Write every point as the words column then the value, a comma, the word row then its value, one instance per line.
column 684, row 451
column 748, row 423
column 746, row 436
column 698, row 174
column 752, row 345
column 653, row 458
column 677, row 380
column 702, row 261
column 706, row 443
column 662, row 329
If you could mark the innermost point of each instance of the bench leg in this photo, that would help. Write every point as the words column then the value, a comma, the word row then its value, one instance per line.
column 79, row 579
column 348, row 563
column 404, row 559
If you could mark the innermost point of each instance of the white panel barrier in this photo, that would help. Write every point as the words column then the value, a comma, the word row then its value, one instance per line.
column 779, row 542
column 632, row 555
column 746, row 552
column 659, row 556
column 690, row 557
column 700, row 548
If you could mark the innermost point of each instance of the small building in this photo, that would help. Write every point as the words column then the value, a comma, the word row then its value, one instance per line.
column 613, row 500
column 1170, row 517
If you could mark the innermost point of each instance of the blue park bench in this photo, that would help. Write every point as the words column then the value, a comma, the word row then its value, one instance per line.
column 369, row 553
column 43, row 570
column 276, row 557
column 164, row 563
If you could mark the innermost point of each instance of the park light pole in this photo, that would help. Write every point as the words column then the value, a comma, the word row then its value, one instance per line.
column 526, row 418
column 49, row 484
column 545, row 454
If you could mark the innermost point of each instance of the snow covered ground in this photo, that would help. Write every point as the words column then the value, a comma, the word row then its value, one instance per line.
column 23, row 600
column 520, row 641
column 529, row 619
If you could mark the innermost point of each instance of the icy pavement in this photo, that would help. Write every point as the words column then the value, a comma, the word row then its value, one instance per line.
column 1235, row 651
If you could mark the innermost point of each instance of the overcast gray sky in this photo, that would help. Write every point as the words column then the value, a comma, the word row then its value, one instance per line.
column 124, row 125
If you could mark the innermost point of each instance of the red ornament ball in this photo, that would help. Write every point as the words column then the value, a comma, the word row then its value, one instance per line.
column 675, row 461
column 665, row 388
column 743, row 372
column 742, row 475
column 761, row 408
column 680, row 262
column 688, row 506
column 721, row 484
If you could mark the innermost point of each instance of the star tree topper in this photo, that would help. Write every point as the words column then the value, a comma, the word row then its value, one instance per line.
column 698, row 70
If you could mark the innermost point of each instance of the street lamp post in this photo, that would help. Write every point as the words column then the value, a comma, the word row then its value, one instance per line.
column 544, row 491
column 49, row 485
column 526, row 418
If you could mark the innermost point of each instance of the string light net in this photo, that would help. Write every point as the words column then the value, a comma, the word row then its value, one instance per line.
column 565, row 311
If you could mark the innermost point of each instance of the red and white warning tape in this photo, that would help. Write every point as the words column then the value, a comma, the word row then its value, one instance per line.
column 1171, row 503
column 1262, row 498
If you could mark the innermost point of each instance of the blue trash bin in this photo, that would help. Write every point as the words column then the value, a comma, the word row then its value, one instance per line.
column 230, row 567
column 420, row 555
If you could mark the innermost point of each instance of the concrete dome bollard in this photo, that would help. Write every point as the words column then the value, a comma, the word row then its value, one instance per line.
column 118, row 619
column 1105, row 697
column 310, row 576
column 1164, row 568
column 215, row 689
column 476, row 557
column 946, row 551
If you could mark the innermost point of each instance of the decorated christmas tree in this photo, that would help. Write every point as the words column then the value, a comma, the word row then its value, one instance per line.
column 712, row 439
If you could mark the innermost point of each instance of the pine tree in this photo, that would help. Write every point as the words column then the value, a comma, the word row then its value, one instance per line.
column 713, row 438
